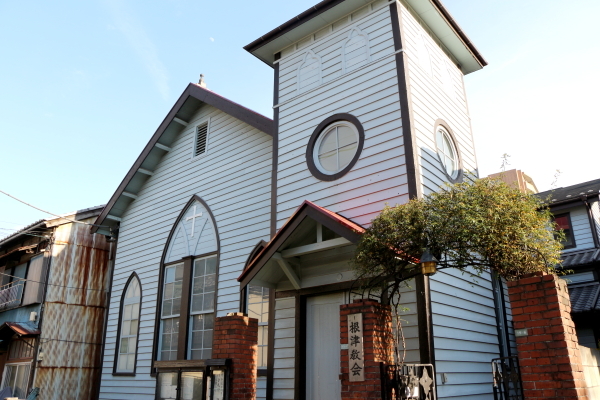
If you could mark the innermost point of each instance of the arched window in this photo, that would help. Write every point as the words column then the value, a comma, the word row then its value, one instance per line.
column 309, row 72
column 356, row 50
column 129, row 324
column 188, row 288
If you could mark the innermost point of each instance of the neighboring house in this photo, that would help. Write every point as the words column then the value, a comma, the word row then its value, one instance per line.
column 52, row 307
column 576, row 210
column 369, row 110
column 517, row 179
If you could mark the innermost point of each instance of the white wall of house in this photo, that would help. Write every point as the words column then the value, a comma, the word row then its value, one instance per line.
column 436, row 91
column 233, row 178
column 580, row 224
column 369, row 92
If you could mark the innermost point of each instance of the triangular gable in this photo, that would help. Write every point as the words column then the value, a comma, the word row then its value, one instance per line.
column 335, row 222
column 189, row 101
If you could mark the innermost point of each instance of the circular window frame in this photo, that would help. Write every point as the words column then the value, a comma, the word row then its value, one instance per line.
column 440, row 123
column 314, row 141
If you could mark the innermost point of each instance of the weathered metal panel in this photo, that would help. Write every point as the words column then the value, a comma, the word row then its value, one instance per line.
column 73, row 318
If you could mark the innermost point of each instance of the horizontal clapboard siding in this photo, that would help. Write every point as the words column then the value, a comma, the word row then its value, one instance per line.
column 581, row 228
column 370, row 93
column 596, row 216
column 436, row 95
column 465, row 333
column 285, row 347
column 261, row 388
column 233, row 178
column 410, row 325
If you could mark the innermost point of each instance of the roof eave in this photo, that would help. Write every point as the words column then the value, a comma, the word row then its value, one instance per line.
column 203, row 95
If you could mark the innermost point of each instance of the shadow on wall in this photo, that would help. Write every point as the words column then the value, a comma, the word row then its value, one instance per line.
column 590, row 359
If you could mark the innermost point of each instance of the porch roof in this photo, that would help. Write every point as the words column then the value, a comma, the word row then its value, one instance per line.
column 349, row 231
column 8, row 329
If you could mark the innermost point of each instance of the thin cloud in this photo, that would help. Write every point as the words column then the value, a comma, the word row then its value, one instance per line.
column 135, row 34
column 212, row 39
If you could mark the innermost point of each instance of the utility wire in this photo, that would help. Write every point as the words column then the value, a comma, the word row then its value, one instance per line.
column 48, row 212
column 46, row 340
column 53, row 284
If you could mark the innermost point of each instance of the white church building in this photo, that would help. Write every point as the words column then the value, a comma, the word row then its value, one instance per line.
column 227, row 210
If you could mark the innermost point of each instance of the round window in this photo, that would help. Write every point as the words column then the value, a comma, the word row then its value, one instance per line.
column 447, row 152
column 334, row 147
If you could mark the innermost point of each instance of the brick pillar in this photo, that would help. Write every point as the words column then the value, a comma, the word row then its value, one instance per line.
column 549, row 354
column 377, row 347
column 236, row 337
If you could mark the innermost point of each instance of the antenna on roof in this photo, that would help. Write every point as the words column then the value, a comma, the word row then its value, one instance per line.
column 201, row 81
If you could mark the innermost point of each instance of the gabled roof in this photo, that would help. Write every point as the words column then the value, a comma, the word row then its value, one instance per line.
column 572, row 193
column 176, row 120
column 337, row 223
column 432, row 12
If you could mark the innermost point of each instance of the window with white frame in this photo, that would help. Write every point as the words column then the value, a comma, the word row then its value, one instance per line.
column 202, row 308
column 258, row 307
column 16, row 377
column 309, row 72
column 130, row 323
column 170, row 308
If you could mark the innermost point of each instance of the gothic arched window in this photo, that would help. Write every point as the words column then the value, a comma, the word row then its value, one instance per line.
column 356, row 50
column 129, row 324
column 188, row 286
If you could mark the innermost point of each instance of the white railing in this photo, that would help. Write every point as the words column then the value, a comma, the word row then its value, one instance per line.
column 11, row 294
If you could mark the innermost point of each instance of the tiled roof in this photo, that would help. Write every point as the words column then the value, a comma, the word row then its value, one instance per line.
column 582, row 257
column 585, row 298
column 571, row 192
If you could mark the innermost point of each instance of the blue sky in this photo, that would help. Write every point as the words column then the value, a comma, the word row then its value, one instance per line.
column 83, row 86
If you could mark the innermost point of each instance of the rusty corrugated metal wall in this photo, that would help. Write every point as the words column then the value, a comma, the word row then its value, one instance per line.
column 73, row 318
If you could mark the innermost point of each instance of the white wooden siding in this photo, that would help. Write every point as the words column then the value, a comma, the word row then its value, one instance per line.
column 261, row 388
column 580, row 224
column 596, row 215
column 436, row 92
column 233, row 178
column 465, row 333
column 285, row 347
column 370, row 93
column 410, row 323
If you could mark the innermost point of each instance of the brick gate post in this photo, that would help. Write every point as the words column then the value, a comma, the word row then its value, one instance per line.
column 547, row 346
column 377, row 347
column 236, row 338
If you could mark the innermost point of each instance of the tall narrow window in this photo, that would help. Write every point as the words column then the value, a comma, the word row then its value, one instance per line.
column 201, row 139
column 424, row 56
column 171, row 306
column 258, row 307
column 129, row 327
column 202, row 308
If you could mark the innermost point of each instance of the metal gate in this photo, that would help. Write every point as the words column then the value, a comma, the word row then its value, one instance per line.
column 507, row 379
column 407, row 381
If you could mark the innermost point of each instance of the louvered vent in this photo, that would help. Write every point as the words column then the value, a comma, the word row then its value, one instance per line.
column 201, row 134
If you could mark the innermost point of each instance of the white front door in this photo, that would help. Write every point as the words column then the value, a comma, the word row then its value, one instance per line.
column 323, row 347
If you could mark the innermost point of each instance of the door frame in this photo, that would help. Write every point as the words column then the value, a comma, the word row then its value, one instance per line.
column 300, row 297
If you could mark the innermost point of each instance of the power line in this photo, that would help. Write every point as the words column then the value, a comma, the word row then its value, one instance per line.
column 48, row 212
column 53, row 284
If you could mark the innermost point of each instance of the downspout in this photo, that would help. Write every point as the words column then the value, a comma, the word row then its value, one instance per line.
column 48, row 264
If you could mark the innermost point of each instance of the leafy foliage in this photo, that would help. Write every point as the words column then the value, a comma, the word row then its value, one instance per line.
column 483, row 224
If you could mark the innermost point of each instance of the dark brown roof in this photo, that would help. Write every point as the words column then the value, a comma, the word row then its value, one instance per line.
column 183, row 109
column 571, row 193
column 8, row 329
column 585, row 298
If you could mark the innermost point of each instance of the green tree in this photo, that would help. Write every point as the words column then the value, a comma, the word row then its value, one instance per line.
column 483, row 224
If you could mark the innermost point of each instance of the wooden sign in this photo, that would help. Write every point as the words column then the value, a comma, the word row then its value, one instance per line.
column 356, row 359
